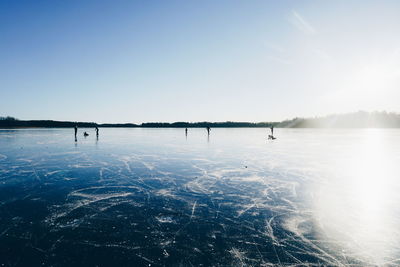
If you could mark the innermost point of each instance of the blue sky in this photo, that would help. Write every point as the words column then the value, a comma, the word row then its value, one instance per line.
column 137, row 61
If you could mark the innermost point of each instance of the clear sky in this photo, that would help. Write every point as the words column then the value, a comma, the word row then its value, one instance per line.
column 138, row 61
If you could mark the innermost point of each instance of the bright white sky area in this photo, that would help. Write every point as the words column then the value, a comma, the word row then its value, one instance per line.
column 140, row 61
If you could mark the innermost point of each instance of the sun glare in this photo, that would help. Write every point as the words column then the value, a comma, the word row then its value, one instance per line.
column 374, row 79
column 358, row 205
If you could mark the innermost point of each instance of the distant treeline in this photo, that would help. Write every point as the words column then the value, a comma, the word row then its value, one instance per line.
column 227, row 124
column 6, row 122
column 10, row 122
column 359, row 119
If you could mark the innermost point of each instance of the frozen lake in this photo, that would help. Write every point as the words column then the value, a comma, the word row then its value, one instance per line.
column 153, row 197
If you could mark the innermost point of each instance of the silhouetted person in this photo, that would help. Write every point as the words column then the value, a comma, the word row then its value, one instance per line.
column 97, row 131
column 208, row 130
column 76, row 130
column 85, row 134
column 186, row 130
column 271, row 136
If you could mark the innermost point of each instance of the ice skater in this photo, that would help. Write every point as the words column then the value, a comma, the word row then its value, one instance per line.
column 85, row 134
column 97, row 131
column 186, row 130
column 208, row 130
column 271, row 136
column 76, row 130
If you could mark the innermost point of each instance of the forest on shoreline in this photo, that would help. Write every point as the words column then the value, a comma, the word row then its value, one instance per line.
column 359, row 119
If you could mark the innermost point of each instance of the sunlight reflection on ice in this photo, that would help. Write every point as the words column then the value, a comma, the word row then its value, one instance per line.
column 357, row 204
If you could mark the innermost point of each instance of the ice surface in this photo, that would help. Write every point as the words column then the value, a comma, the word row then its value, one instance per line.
column 140, row 197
